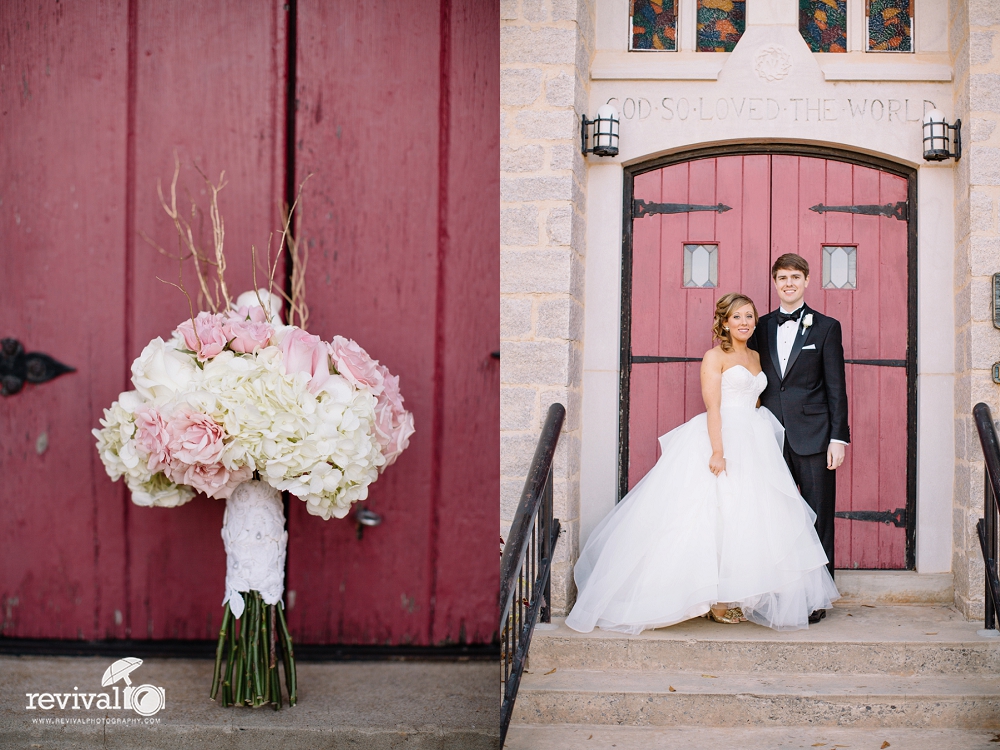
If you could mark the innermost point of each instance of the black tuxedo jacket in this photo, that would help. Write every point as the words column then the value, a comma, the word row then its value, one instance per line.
column 811, row 400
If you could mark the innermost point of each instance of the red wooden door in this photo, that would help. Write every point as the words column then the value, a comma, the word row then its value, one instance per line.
column 769, row 202
column 402, row 260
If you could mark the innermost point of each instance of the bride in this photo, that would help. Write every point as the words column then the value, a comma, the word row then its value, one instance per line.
column 717, row 525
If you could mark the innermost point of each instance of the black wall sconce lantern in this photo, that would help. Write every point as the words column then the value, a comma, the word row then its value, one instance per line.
column 604, row 132
column 937, row 137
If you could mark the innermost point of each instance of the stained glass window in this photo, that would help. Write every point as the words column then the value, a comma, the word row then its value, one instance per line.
column 840, row 267
column 701, row 265
column 890, row 25
column 720, row 24
column 823, row 24
column 654, row 25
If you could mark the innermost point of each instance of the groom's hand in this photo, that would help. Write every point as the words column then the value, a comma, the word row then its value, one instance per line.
column 834, row 456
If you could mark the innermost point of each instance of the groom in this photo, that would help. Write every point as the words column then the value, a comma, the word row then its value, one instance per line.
column 802, row 353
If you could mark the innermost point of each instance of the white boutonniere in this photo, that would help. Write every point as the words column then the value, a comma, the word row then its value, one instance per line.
column 807, row 321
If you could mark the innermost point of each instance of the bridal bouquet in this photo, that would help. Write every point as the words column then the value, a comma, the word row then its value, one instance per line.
column 239, row 406
column 232, row 395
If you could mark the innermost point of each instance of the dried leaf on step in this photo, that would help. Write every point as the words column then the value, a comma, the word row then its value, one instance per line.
column 590, row 737
column 818, row 744
column 551, row 670
column 870, row 606
column 849, row 614
column 885, row 745
column 710, row 675
column 671, row 688
column 934, row 633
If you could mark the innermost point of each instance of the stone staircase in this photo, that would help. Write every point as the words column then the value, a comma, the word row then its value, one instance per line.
column 912, row 676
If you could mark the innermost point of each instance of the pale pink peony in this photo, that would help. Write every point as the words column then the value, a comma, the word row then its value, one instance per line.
column 303, row 352
column 194, row 438
column 215, row 480
column 356, row 365
column 393, row 424
column 211, row 335
column 152, row 437
column 247, row 329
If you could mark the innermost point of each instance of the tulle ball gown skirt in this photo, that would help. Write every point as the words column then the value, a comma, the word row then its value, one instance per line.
column 684, row 539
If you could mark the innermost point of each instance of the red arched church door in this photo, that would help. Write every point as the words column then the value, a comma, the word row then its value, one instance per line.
column 704, row 227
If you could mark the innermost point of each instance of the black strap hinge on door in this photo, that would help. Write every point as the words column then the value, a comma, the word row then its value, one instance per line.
column 895, row 517
column 643, row 208
column 18, row 367
column 898, row 210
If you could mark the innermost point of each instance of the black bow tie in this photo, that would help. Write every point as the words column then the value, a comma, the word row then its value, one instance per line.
column 784, row 317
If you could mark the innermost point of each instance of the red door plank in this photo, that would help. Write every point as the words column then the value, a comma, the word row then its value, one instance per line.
column 755, row 242
column 210, row 85
column 63, row 225
column 368, row 126
column 468, row 387
column 647, row 283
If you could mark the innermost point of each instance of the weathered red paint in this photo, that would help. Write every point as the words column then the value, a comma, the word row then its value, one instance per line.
column 403, row 259
column 770, row 198
column 400, row 129
column 62, row 177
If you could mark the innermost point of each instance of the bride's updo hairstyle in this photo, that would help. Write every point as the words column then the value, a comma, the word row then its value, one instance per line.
column 726, row 306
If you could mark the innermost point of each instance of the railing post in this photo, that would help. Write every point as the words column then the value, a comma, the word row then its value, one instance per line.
column 546, row 515
column 990, row 516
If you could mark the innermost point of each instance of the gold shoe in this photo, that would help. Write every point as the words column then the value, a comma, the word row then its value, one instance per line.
column 731, row 616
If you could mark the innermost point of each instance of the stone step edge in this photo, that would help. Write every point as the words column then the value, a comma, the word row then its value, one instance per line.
column 619, row 682
column 700, row 737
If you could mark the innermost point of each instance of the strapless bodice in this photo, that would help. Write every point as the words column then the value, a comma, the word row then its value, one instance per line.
column 740, row 388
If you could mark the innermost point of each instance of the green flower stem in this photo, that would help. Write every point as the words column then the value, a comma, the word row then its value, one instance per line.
column 286, row 643
column 219, row 649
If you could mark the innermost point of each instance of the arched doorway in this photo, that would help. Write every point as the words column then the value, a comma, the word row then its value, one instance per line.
column 700, row 224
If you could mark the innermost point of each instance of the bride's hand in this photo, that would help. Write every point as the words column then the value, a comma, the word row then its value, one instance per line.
column 717, row 464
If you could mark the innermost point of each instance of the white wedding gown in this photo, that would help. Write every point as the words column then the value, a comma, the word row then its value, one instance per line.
column 683, row 539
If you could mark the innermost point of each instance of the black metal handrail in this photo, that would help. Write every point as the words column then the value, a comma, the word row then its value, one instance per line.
column 989, row 523
column 526, row 566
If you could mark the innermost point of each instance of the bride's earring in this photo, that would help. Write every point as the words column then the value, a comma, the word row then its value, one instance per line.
column 724, row 328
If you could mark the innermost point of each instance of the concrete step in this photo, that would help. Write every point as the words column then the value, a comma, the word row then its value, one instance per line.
column 894, row 587
column 726, row 699
column 853, row 639
column 595, row 737
column 371, row 705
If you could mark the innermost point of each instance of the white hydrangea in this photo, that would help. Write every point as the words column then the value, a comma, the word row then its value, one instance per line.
column 159, row 491
column 115, row 444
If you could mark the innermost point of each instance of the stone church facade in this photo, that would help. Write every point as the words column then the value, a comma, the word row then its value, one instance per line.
column 567, row 241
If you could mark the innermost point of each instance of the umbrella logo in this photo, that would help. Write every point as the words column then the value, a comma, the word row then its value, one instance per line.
column 145, row 700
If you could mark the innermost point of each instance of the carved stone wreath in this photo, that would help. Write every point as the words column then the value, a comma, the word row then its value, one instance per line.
column 772, row 63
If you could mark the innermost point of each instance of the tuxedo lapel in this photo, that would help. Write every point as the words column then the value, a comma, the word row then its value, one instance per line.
column 797, row 344
column 772, row 343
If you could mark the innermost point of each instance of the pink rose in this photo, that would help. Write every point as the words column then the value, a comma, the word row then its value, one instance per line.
column 211, row 335
column 247, row 329
column 194, row 438
column 393, row 424
column 303, row 352
column 215, row 480
column 354, row 364
column 152, row 437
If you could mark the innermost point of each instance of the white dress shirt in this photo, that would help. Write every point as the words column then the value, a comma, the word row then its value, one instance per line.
column 786, row 338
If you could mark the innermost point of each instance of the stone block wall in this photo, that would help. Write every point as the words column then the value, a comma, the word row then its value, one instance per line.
column 975, row 49
column 545, row 51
